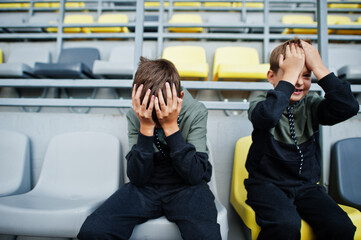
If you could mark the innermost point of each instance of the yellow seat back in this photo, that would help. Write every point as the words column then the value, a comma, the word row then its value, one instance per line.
column 190, row 61
column 1, row 55
column 217, row 4
column 112, row 18
column 186, row 4
column 230, row 61
column 186, row 19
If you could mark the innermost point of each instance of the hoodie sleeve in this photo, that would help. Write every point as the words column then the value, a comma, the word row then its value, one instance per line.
column 191, row 162
column 339, row 103
column 265, row 113
column 140, row 156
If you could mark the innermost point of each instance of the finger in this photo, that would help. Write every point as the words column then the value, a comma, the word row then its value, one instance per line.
column 174, row 95
column 161, row 100
column 288, row 50
column 179, row 107
column 133, row 91
column 151, row 104
column 157, row 108
column 136, row 98
column 145, row 100
column 169, row 94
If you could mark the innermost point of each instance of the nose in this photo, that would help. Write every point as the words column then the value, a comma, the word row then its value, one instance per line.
column 299, row 81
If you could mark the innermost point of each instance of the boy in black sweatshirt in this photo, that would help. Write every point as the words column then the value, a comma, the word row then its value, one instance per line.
column 167, row 163
column 284, row 158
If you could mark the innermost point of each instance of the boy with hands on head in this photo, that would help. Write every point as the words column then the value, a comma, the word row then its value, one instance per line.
column 284, row 158
column 167, row 163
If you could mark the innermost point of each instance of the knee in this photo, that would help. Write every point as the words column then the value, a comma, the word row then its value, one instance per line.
column 90, row 230
column 287, row 228
column 343, row 229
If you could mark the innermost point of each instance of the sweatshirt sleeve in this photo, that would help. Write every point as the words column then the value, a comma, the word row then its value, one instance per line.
column 190, row 163
column 339, row 104
column 140, row 157
column 266, row 113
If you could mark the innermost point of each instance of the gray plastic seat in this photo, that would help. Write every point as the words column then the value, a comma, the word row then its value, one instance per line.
column 15, row 176
column 340, row 57
column 21, row 61
column 73, row 63
column 351, row 73
column 80, row 170
column 20, row 64
column 162, row 229
column 120, row 63
column 345, row 181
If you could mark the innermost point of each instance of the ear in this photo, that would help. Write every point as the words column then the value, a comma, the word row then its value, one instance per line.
column 181, row 95
column 271, row 77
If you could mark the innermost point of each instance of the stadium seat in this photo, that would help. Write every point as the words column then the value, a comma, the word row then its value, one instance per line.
column 1, row 55
column 75, row 19
column 21, row 64
column 345, row 182
column 344, row 4
column 80, row 170
column 343, row 20
column 73, row 63
column 155, row 4
column 190, row 61
column 120, row 63
column 217, row 4
column 162, row 229
column 68, row 5
column 186, row 4
column 299, row 19
column 345, row 58
column 225, row 19
column 248, row 5
column 238, row 63
column 239, row 195
column 111, row 18
column 15, row 172
column 186, row 19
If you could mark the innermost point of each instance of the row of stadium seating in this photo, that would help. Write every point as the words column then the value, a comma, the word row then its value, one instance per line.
column 229, row 63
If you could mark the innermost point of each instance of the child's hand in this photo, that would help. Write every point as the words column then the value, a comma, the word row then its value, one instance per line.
column 293, row 63
column 167, row 114
column 143, row 113
column 313, row 61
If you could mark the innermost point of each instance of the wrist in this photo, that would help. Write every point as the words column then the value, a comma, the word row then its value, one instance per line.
column 320, row 72
column 147, row 130
column 290, row 76
column 169, row 129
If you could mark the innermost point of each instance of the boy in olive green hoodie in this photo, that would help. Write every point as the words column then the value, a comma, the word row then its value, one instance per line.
column 167, row 163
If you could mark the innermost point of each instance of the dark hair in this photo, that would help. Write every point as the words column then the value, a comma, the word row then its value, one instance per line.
column 153, row 74
column 281, row 49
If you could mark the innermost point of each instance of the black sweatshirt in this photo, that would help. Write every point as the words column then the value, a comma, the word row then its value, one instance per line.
column 273, row 156
column 187, row 162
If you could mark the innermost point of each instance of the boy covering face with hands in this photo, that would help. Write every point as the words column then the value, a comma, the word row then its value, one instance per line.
column 284, row 158
column 167, row 163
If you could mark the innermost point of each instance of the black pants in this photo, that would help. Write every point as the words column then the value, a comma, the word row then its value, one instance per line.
column 192, row 208
column 279, row 212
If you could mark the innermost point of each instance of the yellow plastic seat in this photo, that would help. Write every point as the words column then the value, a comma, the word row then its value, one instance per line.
column 217, row 4
column 69, row 5
column 186, row 4
column 344, row 4
column 190, row 61
column 344, row 20
column 112, row 18
column 1, row 56
column 155, row 4
column 249, row 5
column 75, row 19
column 238, row 63
column 11, row 5
column 186, row 19
column 299, row 19
column 239, row 196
